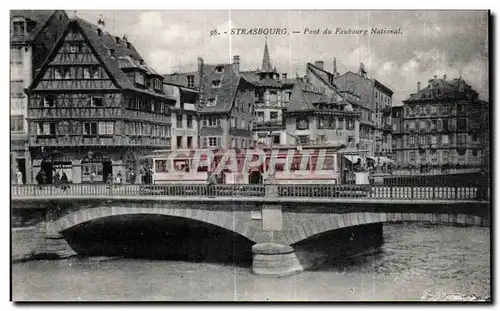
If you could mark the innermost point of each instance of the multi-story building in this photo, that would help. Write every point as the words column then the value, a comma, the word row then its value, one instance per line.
column 226, row 104
column 319, row 114
column 378, row 98
column 272, row 97
column 184, row 116
column 444, row 124
column 397, row 133
column 33, row 34
column 95, row 108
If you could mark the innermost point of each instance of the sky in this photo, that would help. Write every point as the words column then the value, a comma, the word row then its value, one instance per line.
column 431, row 43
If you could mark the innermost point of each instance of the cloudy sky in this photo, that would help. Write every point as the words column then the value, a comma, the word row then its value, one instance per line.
column 431, row 43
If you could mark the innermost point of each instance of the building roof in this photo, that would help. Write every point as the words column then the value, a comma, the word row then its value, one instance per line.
column 375, row 81
column 443, row 88
column 124, row 55
column 225, row 94
column 305, row 100
column 40, row 17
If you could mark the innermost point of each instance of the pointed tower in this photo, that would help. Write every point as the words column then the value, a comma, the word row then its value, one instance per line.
column 267, row 70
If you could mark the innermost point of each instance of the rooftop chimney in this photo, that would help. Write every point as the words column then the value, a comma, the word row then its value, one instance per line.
column 284, row 76
column 418, row 86
column 117, row 39
column 435, row 77
column 444, row 77
column 319, row 64
column 236, row 64
column 101, row 23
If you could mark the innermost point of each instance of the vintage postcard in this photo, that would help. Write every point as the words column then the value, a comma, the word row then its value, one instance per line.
column 244, row 155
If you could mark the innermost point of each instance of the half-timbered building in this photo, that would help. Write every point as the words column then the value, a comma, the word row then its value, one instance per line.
column 95, row 107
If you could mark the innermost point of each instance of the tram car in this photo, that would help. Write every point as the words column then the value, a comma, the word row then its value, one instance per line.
column 307, row 165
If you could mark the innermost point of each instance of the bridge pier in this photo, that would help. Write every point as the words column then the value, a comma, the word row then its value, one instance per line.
column 275, row 260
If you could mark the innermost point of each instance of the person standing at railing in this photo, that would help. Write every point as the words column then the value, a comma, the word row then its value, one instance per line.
column 119, row 178
column 19, row 177
column 64, row 181
column 211, row 181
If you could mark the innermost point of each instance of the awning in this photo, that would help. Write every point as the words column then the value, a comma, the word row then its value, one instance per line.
column 353, row 158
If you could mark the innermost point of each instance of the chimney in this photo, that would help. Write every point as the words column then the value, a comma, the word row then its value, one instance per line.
column 418, row 86
column 284, row 76
column 201, row 97
column 117, row 39
column 236, row 64
column 444, row 77
column 435, row 77
column 101, row 23
column 319, row 64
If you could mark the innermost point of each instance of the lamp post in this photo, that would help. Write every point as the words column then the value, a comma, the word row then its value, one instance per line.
column 90, row 154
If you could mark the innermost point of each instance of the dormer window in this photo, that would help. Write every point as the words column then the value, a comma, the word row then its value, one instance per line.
column 75, row 48
column 19, row 28
column 190, row 81
column 219, row 69
column 139, row 78
column 212, row 102
column 216, row 83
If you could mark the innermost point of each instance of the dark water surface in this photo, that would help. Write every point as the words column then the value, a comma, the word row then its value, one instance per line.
column 414, row 259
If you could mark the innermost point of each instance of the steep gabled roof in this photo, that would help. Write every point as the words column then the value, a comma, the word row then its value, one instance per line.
column 225, row 93
column 301, row 100
column 101, row 46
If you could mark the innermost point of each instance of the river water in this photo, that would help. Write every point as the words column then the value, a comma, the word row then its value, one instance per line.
column 415, row 259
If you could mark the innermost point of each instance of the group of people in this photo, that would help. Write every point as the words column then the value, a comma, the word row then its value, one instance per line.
column 57, row 179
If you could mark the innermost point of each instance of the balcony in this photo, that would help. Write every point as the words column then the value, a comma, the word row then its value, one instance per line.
column 106, row 141
column 269, row 124
column 386, row 110
column 387, row 128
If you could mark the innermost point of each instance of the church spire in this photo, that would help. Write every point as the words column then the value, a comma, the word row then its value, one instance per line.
column 266, row 60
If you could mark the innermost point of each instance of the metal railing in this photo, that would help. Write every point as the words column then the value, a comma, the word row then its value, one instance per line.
column 383, row 192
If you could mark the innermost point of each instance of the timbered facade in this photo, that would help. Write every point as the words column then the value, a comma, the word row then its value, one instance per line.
column 95, row 108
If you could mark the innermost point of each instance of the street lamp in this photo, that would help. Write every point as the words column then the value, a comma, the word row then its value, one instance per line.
column 90, row 154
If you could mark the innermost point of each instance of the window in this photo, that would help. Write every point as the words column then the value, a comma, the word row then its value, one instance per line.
column 446, row 156
column 412, row 155
column 179, row 141
column 341, row 124
column 216, row 83
column 189, row 120
column 433, row 139
column 18, row 28
column 444, row 109
column 16, row 123
column 260, row 116
column 213, row 141
column 16, row 88
column 274, row 115
column 96, row 101
column 350, row 124
column 139, row 78
column 322, row 123
column 179, row 121
column 75, row 48
column 412, row 125
column 219, row 69
column 210, row 121
column 423, row 140
column 474, row 137
column 412, row 140
column 90, row 128
column 46, row 128
column 461, row 124
column 86, row 73
column 190, row 81
column 49, row 101
column 302, row 123
column 462, row 138
column 212, row 102
column 433, row 109
column 106, row 128
column 440, row 125
column 461, row 108
column 445, row 139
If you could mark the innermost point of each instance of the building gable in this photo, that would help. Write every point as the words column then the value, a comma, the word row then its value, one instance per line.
column 74, row 65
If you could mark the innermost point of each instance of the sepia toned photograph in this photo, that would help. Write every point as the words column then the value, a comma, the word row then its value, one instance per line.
column 250, row 156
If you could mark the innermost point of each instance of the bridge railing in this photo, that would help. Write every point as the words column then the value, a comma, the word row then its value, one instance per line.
column 224, row 190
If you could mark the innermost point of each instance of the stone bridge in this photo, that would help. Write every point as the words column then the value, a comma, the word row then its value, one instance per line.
column 274, row 224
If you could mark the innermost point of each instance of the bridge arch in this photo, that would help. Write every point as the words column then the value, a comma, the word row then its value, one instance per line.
column 223, row 220
column 325, row 223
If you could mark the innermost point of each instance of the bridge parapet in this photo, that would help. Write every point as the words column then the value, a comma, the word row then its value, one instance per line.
column 407, row 193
